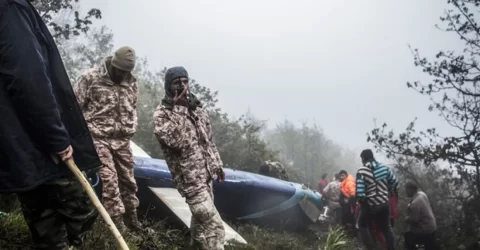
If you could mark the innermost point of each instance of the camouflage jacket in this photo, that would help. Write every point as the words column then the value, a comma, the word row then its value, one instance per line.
column 332, row 194
column 187, row 143
column 110, row 109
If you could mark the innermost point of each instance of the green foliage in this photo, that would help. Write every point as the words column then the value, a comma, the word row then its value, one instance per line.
column 208, row 97
column 82, row 53
column 336, row 240
column 14, row 235
column 239, row 142
column 8, row 202
column 49, row 9
column 163, row 238
column 151, row 91
column 269, row 239
column 455, row 93
column 308, row 152
column 445, row 196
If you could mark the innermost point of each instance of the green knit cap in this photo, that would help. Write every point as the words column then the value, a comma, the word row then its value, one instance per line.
column 124, row 59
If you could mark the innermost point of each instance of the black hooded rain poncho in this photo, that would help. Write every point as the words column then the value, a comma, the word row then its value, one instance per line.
column 38, row 109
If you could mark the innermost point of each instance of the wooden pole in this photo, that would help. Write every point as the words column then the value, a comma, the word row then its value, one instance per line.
column 96, row 202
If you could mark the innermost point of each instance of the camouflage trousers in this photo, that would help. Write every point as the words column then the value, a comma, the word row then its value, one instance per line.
column 119, row 185
column 206, row 226
column 58, row 213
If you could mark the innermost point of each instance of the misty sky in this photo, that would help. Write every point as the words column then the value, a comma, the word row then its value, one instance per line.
column 337, row 63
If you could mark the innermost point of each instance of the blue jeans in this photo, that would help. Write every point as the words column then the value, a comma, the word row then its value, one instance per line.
column 381, row 216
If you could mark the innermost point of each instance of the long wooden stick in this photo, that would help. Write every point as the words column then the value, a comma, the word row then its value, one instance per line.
column 96, row 202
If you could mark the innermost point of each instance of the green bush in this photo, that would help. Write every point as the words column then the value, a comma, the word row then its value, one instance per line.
column 14, row 234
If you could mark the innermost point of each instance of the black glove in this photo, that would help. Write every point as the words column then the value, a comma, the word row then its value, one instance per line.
column 220, row 175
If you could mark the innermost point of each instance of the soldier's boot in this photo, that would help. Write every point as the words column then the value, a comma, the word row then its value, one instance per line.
column 118, row 221
column 132, row 221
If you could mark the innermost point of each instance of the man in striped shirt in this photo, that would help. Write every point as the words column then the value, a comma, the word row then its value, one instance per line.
column 374, row 181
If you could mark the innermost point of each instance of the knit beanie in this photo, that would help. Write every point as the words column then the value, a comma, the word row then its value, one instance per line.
column 124, row 59
column 172, row 74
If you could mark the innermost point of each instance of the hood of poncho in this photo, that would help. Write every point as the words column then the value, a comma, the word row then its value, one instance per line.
column 170, row 76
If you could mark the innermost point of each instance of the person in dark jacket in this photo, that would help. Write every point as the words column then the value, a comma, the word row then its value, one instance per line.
column 41, row 126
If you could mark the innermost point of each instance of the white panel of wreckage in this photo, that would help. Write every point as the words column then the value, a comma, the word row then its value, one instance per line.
column 175, row 202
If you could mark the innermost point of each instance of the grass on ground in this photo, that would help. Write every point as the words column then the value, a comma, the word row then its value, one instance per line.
column 14, row 234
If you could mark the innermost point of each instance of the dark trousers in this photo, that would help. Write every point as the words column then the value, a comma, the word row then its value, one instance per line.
column 58, row 213
column 381, row 217
column 348, row 211
column 338, row 215
column 413, row 239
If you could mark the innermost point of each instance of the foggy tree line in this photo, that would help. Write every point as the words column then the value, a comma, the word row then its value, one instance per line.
column 446, row 166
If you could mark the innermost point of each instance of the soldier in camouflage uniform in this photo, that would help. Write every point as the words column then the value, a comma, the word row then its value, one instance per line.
column 42, row 206
column 274, row 169
column 107, row 96
column 41, row 126
column 183, row 129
